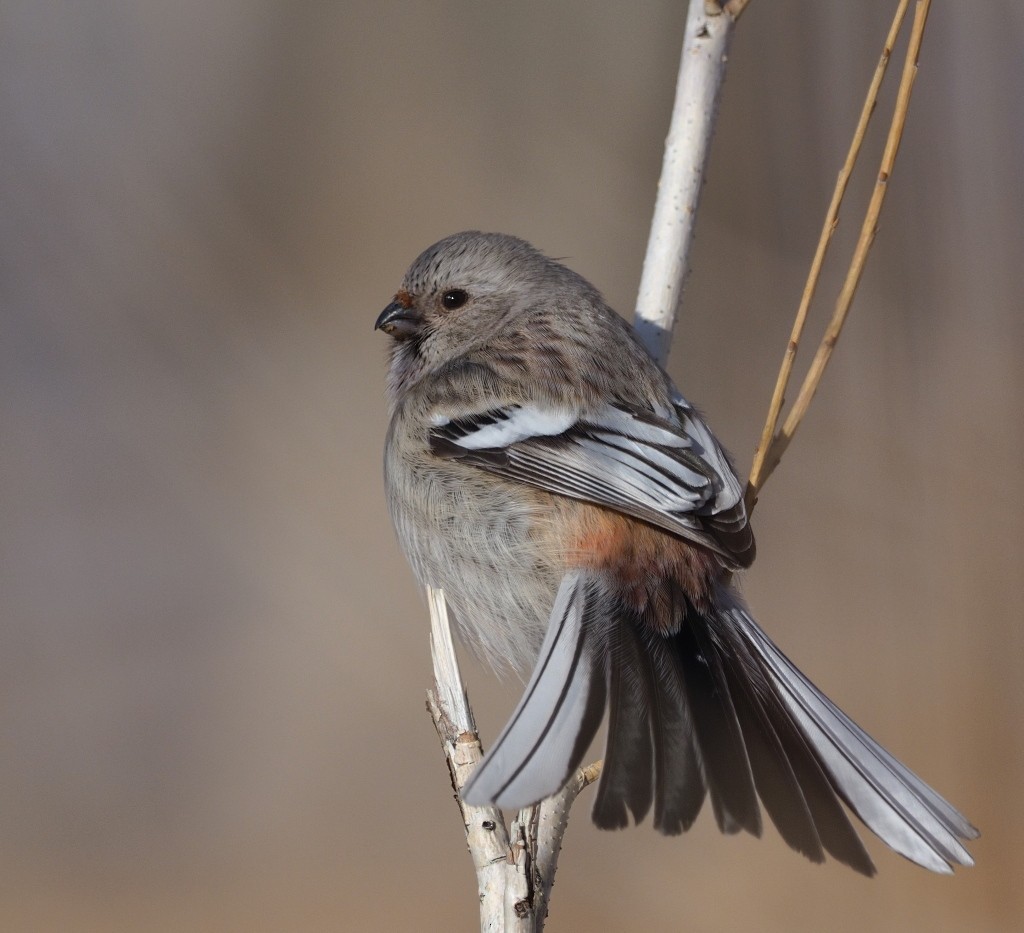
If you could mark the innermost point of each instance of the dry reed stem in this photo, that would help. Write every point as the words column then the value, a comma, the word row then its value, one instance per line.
column 772, row 446
column 757, row 470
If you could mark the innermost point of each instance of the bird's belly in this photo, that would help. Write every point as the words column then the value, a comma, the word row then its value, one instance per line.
column 482, row 543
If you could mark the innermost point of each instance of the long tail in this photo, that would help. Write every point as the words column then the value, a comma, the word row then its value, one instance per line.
column 714, row 710
column 560, row 711
column 892, row 801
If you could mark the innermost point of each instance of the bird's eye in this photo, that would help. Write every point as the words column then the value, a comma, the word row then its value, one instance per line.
column 454, row 298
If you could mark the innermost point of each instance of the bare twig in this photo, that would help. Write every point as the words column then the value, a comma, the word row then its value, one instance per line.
column 515, row 870
column 552, row 822
column 515, row 867
column 449, row 707
column 485, row 829
column 447, row 676
column 701, row 72
column 772, row 446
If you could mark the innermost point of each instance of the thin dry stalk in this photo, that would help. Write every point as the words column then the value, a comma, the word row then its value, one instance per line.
column 757, row 470
column 772, row 446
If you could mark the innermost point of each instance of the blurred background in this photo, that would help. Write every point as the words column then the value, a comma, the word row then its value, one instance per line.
column 212, row 656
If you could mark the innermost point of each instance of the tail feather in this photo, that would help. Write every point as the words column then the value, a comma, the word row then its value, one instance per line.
column 892, row 801
column 774, row 777
column 627, row 780
column 679, row 785
column 723, row 753
column 812, row 797
column 559, row 714
column 713, row 709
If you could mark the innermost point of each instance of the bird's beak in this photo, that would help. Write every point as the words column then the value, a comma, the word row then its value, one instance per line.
column 399, row 319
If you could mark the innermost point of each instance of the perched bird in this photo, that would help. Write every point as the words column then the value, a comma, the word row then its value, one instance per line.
column 584, row 524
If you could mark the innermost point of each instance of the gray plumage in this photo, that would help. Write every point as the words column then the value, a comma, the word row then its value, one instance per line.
column 582, row 520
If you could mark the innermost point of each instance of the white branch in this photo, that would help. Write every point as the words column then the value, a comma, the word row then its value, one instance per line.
column 552, row 821
column 701, row 72
column 451, row 692
column 514, row 876
column 485, row 829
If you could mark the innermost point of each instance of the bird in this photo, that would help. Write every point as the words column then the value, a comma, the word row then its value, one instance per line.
column 586, row 526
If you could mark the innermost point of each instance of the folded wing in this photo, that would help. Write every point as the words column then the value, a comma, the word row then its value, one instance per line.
column 665, row 469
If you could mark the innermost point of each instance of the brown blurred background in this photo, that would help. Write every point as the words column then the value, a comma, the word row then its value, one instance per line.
column 212, row 656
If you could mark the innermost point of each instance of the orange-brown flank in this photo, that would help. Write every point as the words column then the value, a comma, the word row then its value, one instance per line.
column 650, row 565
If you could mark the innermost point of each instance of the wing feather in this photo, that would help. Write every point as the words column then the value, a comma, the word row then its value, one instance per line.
column 670, row 473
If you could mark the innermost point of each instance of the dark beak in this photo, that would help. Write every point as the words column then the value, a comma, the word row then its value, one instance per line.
column 398, row 321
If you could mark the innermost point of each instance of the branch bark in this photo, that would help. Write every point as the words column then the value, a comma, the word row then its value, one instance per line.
column 516, row 867
column 698, row 88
